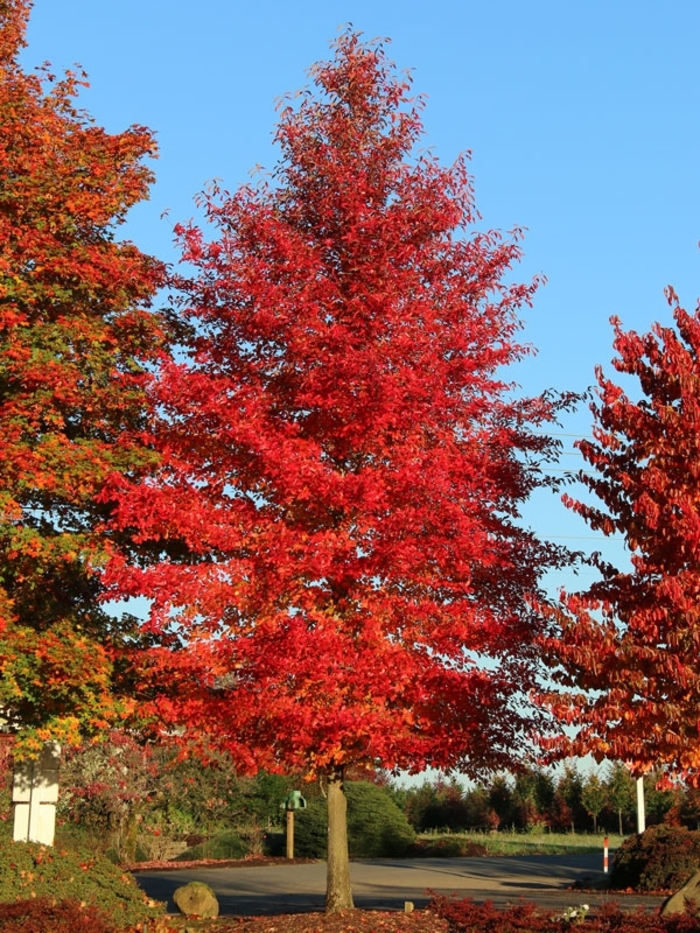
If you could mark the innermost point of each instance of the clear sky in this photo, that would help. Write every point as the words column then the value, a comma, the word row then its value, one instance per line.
column 581, row 115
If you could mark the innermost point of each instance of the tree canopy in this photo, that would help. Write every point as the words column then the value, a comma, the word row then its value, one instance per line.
column 76, row 339
column 343, row 458
column 625, row 650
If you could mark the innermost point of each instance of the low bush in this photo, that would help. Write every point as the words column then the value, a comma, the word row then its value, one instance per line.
column 29, row 871
column 466, row 916
column 227, row 845
column 376, row 826
column 42, row 914
column 275, row 844
column 311, row 830
column 661, row 858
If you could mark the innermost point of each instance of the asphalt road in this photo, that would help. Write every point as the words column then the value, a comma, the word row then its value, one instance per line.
column 385, row 884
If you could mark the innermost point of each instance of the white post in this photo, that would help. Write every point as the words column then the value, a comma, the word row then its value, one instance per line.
column 641, row 814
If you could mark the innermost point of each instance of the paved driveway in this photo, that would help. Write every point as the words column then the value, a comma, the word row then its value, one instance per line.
column 385, row 884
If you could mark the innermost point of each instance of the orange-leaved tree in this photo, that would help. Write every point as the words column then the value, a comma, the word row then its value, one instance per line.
column 344, row 461
column 76, row 340
column 625, row 650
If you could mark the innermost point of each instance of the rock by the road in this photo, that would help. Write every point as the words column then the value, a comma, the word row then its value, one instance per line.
column 677, row 903
column 196, row 899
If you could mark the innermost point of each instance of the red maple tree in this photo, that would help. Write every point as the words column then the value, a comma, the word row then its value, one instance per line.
column 75, row 341
column 344, row 461
column 625, row 650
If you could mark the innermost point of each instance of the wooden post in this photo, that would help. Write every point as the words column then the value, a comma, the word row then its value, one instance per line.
column 290, row 833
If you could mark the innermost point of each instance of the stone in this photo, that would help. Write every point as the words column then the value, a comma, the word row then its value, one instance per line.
column 676, row 903
column 196, row 899
column 160, row 848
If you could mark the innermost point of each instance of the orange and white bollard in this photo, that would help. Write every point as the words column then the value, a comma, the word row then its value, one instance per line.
column 605, row 855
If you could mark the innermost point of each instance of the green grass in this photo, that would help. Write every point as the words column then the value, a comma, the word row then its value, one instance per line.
column 505, row 843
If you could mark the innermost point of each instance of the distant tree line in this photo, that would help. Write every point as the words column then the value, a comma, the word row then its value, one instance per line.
column 566, row 800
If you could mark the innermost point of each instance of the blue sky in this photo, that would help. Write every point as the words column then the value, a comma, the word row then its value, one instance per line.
column 582, row 117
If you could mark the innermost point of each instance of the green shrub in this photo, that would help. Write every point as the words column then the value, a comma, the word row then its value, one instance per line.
column 376, row 826
column 228, row 845
column 275, row 844
column 29, row 871
column 661, row 858
column 311, row 830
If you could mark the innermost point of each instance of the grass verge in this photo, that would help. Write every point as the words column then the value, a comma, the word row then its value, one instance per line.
column 504, row 843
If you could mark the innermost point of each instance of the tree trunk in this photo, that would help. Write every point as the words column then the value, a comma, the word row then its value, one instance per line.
column 338, row 889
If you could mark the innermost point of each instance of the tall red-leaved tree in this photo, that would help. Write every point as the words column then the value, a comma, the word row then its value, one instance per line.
column 625, row 651
column 344, row 462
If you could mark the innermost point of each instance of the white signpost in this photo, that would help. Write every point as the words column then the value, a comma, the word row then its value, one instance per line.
column 641, row 813
column 34, row 795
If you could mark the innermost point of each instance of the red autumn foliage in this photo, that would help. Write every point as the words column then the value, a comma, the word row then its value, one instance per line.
column 467, row 916
column 343, row 460
column 37, row 915
column 75, row 338
column 627, row 647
